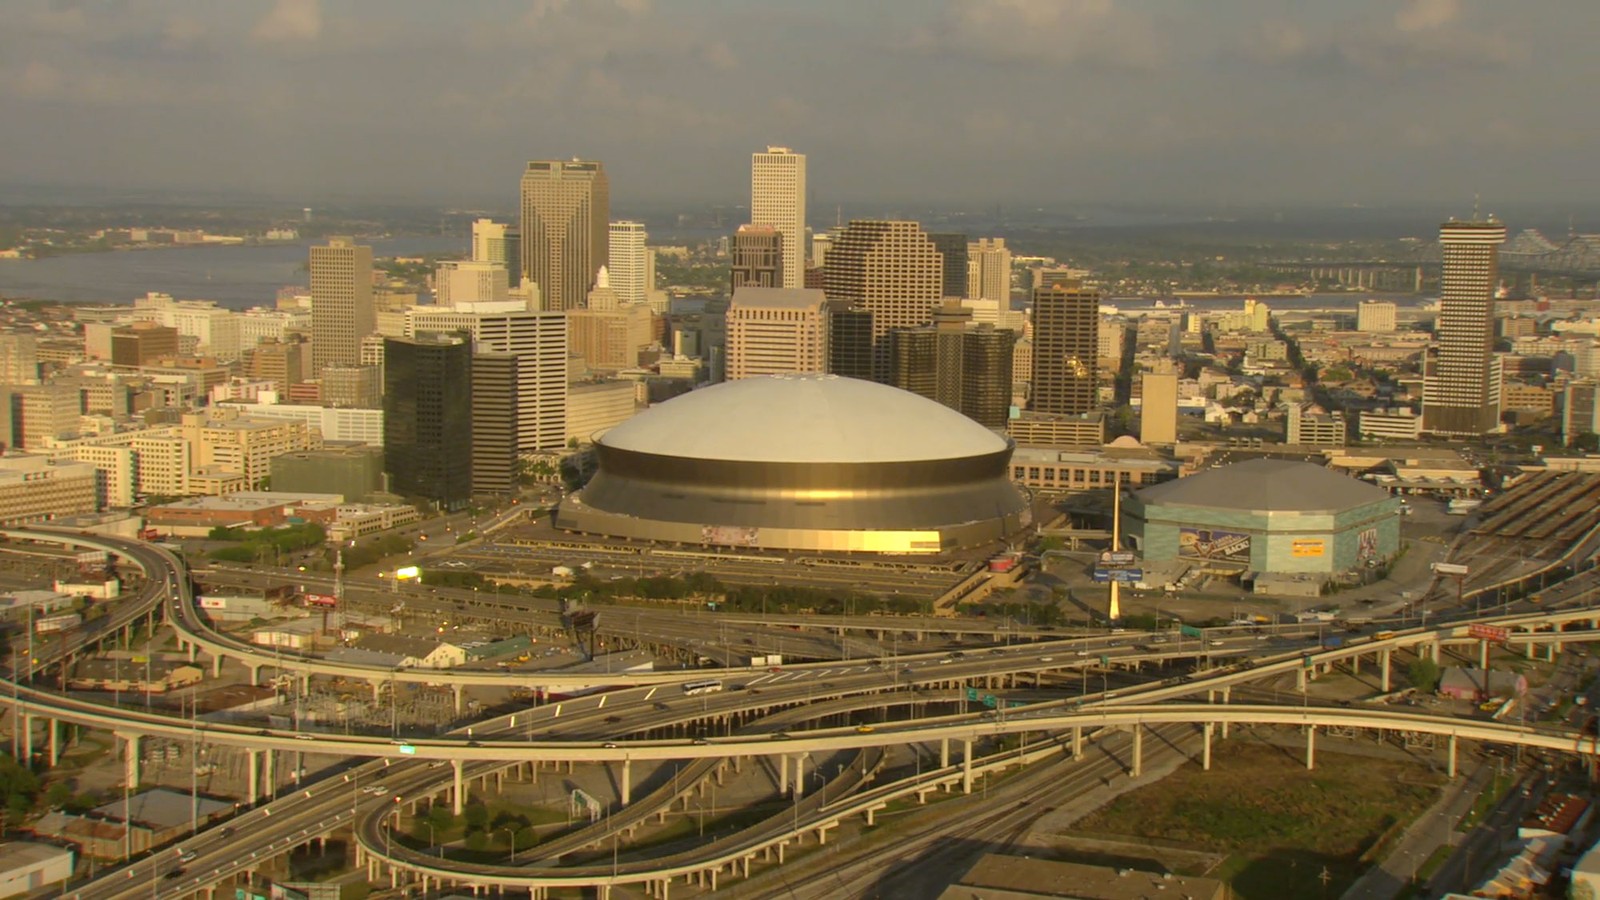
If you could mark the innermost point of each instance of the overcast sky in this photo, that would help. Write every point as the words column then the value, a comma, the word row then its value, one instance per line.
column 938, row 101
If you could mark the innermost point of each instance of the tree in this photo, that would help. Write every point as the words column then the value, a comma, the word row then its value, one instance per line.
column 477, row 816
column 1424, row 674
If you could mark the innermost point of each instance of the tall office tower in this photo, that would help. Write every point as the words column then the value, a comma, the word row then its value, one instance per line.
column 341, row 302
column 890, row 269
column 566, row 228
column 1375, row 315
column 352, row 387
column 470, row 281
column 539, row 338
column 1065, row 338
column 1158, row 408
column 849, row 341
column 38, row 413
column 1461, row 387
column 778, row 200
column 773, row 331
column 989, row 271
column 495, row 381
column 629, row 262
column 19, row 359
column 964, row 366
column 427, row 417
column 500, row 243
column 954, row 249
column 757, row 257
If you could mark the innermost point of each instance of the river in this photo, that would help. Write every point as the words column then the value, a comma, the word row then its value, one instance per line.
column 236, row 277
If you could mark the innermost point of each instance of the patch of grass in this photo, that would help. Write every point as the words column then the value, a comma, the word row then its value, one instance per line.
column 1487, row 800
column 1283, row 827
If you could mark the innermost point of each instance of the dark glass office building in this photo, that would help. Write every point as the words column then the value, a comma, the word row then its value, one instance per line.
column 427, row 417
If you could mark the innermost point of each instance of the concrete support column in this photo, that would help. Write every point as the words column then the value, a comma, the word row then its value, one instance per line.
column 458, row 799
column 1550, row 651
column 944, row 753
column 1227, row 697
column 255, row 673
column 55, row 741
column 271, row 789
column 130, row 760
column 1527, row 650
column 1300, row 679
column 783, row 775
column 1451, row 766
column 799, row 776
column 966, row 767
column 1205, row 747
column 1311, row 748
column 627, row 781
column 216, row 665
column 1077, row 742
column 377, row 690
column 459, row 690
column 1385, row 660
column 25, row 721
column 193, row 651
column 254, row 767
column 1483, row 655
column 1138, row 752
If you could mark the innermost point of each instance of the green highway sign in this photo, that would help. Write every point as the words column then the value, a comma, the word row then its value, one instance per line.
column 1189, row 631
column 407, row 749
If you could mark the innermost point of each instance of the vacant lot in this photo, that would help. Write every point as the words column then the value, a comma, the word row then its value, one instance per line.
column 1281, row 826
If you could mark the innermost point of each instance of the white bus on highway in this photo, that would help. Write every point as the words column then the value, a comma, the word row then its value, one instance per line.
column 690, row 688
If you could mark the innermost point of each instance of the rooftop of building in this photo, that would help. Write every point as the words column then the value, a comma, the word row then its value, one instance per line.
column 162, row 808
column 804, row 419
column 240, row 501
column 24, row 854
column 1271, row 485
column 777, row 298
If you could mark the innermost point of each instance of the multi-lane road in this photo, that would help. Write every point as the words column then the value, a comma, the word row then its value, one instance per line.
column 651, row 718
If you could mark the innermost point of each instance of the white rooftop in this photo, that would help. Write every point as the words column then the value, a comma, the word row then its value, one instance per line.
column 804, row 419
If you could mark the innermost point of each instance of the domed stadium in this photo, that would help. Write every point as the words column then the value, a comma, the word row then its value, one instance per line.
column 1265, row 515
column 800, row 462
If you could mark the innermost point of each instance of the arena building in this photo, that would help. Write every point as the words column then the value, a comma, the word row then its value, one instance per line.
column 1266, row 516
column 801, row 462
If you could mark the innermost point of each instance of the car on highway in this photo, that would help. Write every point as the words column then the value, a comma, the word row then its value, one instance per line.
column 1049, row 658
column 609, row 745
column 865, row 729
column 186, row 857
column 775, row 669
column 781, row 736
column 699, row 742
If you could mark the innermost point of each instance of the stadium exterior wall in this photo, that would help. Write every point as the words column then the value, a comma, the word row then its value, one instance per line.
column 1287, row 542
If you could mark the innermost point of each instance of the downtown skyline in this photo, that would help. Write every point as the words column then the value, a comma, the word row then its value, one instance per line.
column 982, row 102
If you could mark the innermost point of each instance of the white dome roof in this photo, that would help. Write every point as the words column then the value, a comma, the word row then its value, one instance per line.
column 805, row 419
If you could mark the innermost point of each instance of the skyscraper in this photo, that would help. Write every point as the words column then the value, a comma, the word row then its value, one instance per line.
column 495, row 382
column 1461, row 388
column 849, row 341
column 1065, row 339
column 778, row 199
column 427, row 417
column 566, row 228
column 629, row 266
column 539, row 339
column 497, row 242
column 954, row 249
column 341, row 303
column 964, row 366
column 890, row 269
column 989, row 271
column 757, row 257
column 773, row 331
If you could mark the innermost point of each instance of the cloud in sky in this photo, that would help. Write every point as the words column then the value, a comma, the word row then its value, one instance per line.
column 987, row 101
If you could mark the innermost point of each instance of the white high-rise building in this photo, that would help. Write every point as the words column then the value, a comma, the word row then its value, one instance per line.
column 778, row 199
column 1375, row 315
column 499, row 243
column 538, row 336
column 775, row 331
column 989, row 271
column 629, row 267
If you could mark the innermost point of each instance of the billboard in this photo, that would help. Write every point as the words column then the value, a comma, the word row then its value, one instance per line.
column 1116, row 559
column 730, row 535
column 321, row 600
column 1455, row 569
column 1489, row 633
column 1306, row 548
column 1214, row 545
column 1367, row 544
